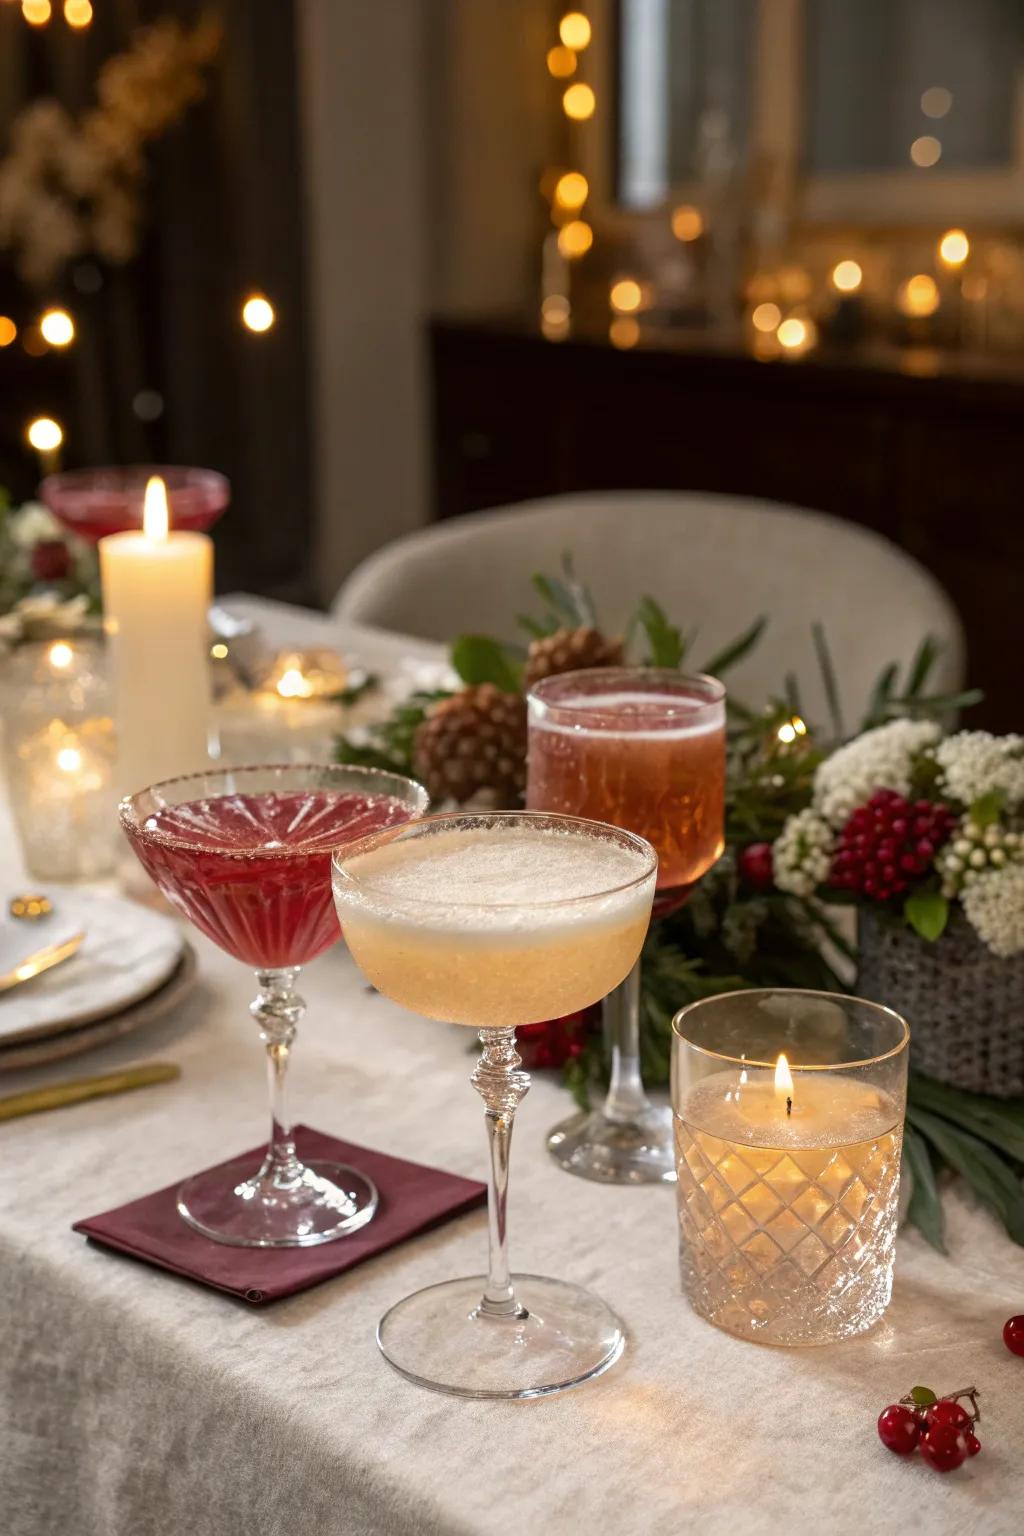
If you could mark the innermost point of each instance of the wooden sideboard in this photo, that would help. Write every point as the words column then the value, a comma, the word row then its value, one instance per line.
column 924, row 449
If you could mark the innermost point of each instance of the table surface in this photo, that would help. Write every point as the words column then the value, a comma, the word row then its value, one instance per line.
column 135, row 1402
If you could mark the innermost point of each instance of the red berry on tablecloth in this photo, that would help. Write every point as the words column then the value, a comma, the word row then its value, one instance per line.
column 50, row 560
column 972, row 1445
column 899, row 1429
column 947, row 1411
column 756, row 866
column 943, row 1447
column 1013, row 1334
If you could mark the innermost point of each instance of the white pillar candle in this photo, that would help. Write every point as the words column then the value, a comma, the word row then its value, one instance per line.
column 157, row 587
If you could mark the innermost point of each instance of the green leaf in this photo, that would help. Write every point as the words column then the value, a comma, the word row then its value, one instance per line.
column 924, row 706
column 922, row 1397
column 880, row 696
column 924, row 659
column 793, row 704
column 988, row 808
column 535, row 630
column 925, row 1209
column 733, row 653
column 997, row 1121
column 479, row 659
column 828, row 678
column 665, row 644
column 927, row 913
column 992, row 1179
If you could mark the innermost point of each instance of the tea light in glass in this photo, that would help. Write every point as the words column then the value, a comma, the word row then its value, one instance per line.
column 59, row 746
column 788, row 1110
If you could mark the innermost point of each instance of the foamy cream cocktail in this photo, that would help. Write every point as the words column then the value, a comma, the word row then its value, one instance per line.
column 494, row 920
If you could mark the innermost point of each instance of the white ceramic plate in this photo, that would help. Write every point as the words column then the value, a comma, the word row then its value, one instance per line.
column 128, row 952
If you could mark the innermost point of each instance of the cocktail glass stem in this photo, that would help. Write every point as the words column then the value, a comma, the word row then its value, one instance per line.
column 277, row 1010
column 621, row 1012
column 502, row 1086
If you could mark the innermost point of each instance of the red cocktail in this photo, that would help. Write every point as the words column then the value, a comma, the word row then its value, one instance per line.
column 245, row 855
column 643, row 749
column 95, row 502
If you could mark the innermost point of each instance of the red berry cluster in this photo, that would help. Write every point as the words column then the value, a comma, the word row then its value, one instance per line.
column 888, row 843
column 1013, row 1334
column 942, row 1429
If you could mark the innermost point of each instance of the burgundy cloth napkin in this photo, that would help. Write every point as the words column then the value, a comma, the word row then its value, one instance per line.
column 412, row 1199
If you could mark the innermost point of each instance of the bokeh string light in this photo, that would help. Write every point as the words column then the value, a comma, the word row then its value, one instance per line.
column 579, row 102
column 78, row 13
column 847, row 276
column 918, row 297
column 575, row 31
column 258, row 313
column 57, row 328
column 36, row 12
column 954, row 248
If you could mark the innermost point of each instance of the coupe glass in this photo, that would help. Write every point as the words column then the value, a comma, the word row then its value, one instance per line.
column 245, row 855
column 643, row 748
column 493, row 920
column 95, row 502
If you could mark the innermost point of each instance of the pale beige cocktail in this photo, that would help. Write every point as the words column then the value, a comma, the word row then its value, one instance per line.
column 494, row 920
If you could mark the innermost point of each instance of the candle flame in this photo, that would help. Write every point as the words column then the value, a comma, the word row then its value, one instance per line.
column 783, row 1077
column 156, row 517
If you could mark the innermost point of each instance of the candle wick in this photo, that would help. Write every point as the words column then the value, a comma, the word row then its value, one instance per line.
column 789, row 1106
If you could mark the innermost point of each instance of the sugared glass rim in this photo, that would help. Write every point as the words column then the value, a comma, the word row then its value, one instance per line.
column 132, row 821
column 840, row 998
column 374, row 840
column 710, row 691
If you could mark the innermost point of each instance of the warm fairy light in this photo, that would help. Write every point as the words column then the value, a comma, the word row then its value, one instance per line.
column 555, row 309
column 687, row 222
column 918, row 296
column 571, row 190
column 783, row 1081
column 954, row 248
column 292, row 685
column 77, row 13
column 36, row 12
column 156, row 515
column 793, row 333
column 561, row 62
column 926, row 151
column 8, row 330
column 60, row 656
column 219, row 651
column 936, row 101
column 45, row 434
column 69, row 759
column 579, row 102
column 847, row 276
column 258, row 313
column 624, row 332
column 766, row 317
column 575, row 238
column 626, row 296
column 790, row 729
column 57, row 327
column 574, row 30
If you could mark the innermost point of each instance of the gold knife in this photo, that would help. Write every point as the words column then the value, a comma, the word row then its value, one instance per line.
column 82, row 1088
column 42, row 960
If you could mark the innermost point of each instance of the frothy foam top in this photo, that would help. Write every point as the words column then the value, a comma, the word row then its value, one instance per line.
column 495, row 878
column 629, row 715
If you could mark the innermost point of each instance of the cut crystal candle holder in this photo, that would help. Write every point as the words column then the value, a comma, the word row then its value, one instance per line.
column 788, row 1110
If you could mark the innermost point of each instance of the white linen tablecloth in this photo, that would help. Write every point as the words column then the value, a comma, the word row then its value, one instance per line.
column 133, row 1403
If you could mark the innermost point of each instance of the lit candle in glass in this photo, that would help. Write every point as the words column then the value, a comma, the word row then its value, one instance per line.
column 157, row 586
column 788, row 1110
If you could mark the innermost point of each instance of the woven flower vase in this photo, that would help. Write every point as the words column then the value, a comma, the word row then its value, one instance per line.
column 964, row 1005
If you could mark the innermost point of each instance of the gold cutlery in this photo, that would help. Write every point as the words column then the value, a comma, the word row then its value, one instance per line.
column 43, row 960
column 82, row 1088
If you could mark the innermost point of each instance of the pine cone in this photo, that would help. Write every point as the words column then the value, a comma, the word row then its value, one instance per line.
column 570, row 650
column 475, row 741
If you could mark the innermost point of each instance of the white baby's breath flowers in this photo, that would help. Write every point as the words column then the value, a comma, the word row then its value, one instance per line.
column 802, row 853
column 33, row 524
column 994, row 905
column 976, row 763
column 880, row 759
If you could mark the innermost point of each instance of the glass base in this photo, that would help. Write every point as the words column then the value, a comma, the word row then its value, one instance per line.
column 324, row 1201
column 609, row 1151
column 562, row 1335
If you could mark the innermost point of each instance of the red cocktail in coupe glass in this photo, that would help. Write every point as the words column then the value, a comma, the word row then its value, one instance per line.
column 245, row 855
column 644, row 749
column 94, row 502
